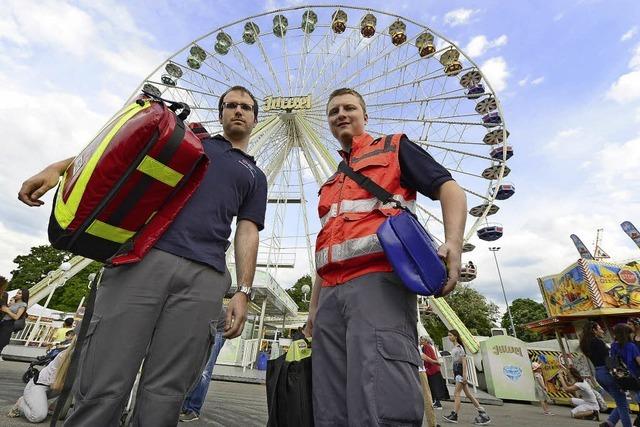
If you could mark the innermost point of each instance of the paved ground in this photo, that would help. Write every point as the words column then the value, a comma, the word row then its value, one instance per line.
column 244, row 405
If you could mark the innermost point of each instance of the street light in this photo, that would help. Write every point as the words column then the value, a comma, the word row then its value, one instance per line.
column 495, row 249
column 305, row 290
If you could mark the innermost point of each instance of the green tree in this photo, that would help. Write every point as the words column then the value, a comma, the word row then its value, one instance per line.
column 296, row 293
column 478, row 314
column 524, row 310
column 40, row 260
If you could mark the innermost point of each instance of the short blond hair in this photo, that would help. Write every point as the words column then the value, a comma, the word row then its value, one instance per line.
column 347, row 91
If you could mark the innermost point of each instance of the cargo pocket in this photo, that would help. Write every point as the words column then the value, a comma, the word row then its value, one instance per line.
column 398, row 394
column 87, row 367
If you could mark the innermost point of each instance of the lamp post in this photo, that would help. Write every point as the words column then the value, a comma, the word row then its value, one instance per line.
column 495, row 249
column 305, row 290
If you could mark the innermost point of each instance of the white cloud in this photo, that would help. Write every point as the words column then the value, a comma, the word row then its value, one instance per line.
column 459, row 16
column 629, row 34
column 49, row 23
column 497, row 72
column 478, row 45
column 627, row 87
column 537, row 81
column 524, row 81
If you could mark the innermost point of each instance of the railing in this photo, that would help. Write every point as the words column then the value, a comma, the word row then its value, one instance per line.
column 42, row 333
column 447, row 370
column 249, row 353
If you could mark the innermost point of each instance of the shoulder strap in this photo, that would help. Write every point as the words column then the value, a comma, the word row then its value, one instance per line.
column 75, row 356
column 369, row 185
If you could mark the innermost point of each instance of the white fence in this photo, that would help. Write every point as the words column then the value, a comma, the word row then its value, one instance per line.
column 447, row 370
column 35, row 334
column 250, row 353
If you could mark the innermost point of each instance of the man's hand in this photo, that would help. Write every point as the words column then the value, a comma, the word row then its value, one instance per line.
column 308, row 330
column 36, row 186
column 236, row 316
column 451, row 254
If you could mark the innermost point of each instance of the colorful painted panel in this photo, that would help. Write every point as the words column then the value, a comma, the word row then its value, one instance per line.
column 567, row 292
column 619, row 284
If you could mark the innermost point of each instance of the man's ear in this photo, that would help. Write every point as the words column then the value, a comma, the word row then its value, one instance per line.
column 366, row 118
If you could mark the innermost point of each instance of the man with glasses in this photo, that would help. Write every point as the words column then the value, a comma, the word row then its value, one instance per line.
column 164, row 309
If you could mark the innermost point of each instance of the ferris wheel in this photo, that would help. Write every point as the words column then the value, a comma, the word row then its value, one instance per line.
column 414, row 81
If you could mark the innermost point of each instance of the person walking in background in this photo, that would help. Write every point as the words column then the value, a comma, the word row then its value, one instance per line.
column 12, row 312
column 634, row 324
column 460, row 374
column 586, row 406
column 625, row 349
column 437, row 384
column 195, row 399
column 429, row 413
column 541, row 388
column 593, row 346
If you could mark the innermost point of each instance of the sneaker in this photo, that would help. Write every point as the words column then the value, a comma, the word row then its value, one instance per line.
column 437, row 405
column 14, row 412
column 482, row 419
column 188, row 416
column 451, row 418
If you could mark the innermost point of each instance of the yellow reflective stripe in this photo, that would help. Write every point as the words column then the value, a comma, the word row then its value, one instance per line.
column 109, row 232
column 159, row 171
column 66, row 212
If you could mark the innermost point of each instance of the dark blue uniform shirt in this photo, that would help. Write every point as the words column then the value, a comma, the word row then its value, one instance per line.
column 233, row 186
column 419, row 171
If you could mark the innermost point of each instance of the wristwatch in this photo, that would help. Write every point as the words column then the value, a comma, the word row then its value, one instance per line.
column 246, row 290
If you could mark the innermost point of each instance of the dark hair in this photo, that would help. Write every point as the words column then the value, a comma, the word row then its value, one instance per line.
column 239, row 89
column 69, row 332
column 621, row 333
column 457, row 335
column 25, row 295
column 588, row 335
column 576, row 374
column 3, row 284
column 347, row 91
column 68, row 321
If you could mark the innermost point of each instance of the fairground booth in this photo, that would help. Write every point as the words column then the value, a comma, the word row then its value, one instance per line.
column 607, row 292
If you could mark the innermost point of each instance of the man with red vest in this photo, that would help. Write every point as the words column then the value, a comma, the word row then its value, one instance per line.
column 362, row 318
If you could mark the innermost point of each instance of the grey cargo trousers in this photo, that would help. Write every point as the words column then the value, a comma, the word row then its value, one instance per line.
column 365, row 355
column 163, row 309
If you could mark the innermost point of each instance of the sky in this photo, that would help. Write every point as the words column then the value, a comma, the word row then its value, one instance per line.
column 567, row 74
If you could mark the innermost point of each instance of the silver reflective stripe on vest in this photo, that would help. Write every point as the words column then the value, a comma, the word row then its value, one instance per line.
column 322, row 258
column 367, row 205
column 333, row 212
column 355, row 247
column 363, row 206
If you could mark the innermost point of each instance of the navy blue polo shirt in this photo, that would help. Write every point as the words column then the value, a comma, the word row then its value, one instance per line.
column 233, row 186
column 419, row 171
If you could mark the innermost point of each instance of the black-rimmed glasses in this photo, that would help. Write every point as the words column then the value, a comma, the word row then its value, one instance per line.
column 234, row 105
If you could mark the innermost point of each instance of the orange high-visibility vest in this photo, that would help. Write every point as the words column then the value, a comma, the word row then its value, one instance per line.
column 347, row 246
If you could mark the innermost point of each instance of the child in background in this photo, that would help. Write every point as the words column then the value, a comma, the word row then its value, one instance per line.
column 541, row 389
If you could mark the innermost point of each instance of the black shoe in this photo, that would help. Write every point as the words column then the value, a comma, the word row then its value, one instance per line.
column 437, row 405
column 451, row 418
column 595, row 416
column 482, row 419
column 636, row 423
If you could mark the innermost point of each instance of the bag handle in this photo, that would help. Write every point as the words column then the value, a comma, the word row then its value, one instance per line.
column 173, row 105
column 368, row 184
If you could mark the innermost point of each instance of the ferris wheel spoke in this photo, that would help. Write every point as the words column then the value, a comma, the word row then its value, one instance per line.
column 329, row 60
column 267, row 61
column 248, row 64
column 226, row 68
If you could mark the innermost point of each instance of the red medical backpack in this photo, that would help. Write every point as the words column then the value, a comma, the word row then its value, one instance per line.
column 125, row 188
